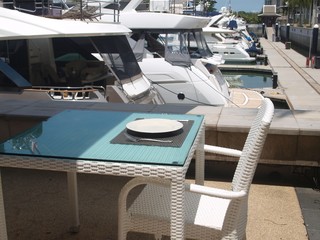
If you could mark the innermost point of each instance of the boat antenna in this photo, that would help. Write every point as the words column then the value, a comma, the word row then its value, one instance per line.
column 229, row 6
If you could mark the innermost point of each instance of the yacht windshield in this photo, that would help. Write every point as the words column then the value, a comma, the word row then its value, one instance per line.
column 117, row 54
column 65, row 61
column 176, row 49
column 201, row 44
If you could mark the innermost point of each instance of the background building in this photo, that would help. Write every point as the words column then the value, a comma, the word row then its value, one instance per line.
column 301, row 13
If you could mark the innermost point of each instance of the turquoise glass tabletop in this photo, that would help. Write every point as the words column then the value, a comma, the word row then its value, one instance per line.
column 88, row 135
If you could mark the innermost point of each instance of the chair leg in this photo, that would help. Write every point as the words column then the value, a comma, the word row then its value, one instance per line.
column 3, row 227
column 158, row 236
column 74, row 203
column 122, row 235
column 245, row 236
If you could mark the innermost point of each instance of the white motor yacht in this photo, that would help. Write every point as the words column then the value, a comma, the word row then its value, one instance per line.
column 173, row 54
column 60, row 60
column 232, row 51
column 180, row 77
column 228, row 35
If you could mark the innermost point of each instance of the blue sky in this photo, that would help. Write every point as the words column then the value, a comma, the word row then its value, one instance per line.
column 241, row 5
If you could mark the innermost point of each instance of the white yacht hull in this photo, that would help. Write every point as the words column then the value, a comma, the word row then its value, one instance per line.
column 190, row 84
column 231, row 53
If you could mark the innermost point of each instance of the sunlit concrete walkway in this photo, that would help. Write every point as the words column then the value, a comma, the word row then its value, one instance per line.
column 301, row 84
column 37, row 205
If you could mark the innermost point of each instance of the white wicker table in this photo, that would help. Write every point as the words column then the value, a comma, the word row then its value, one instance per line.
column 78, row 141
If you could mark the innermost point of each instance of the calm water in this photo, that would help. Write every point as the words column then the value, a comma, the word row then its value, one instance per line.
column 253, row 80
column 246, row 80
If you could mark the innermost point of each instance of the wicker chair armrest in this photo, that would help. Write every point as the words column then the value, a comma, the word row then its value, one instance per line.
column 222, row 150
column 215, row 192
column 210, row 191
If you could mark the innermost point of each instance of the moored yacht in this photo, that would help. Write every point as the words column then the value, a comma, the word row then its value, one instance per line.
column 231, row 50
column 61, row 60
column 174, row 55
column 226, row 32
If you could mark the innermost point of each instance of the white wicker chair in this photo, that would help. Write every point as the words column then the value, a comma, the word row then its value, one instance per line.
column 211, row 213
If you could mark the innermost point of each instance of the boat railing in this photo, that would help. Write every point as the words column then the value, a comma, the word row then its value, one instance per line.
column 83, row 9
column 100, row 4
column 167, row 6
column 37, row 7
column 71, row 93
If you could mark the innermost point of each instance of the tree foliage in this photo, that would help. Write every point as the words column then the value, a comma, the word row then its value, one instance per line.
column 249, row 17
column 298, row 7
column 210, row 5
column 299, row 3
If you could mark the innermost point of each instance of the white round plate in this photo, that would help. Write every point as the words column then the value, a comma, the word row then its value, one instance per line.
column 154, row 125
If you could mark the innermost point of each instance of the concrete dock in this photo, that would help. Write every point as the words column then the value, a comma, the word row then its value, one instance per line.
column 284, row 202
column 300, row 83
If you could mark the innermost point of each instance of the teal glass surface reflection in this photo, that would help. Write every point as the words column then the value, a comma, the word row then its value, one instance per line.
column 86, row 134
